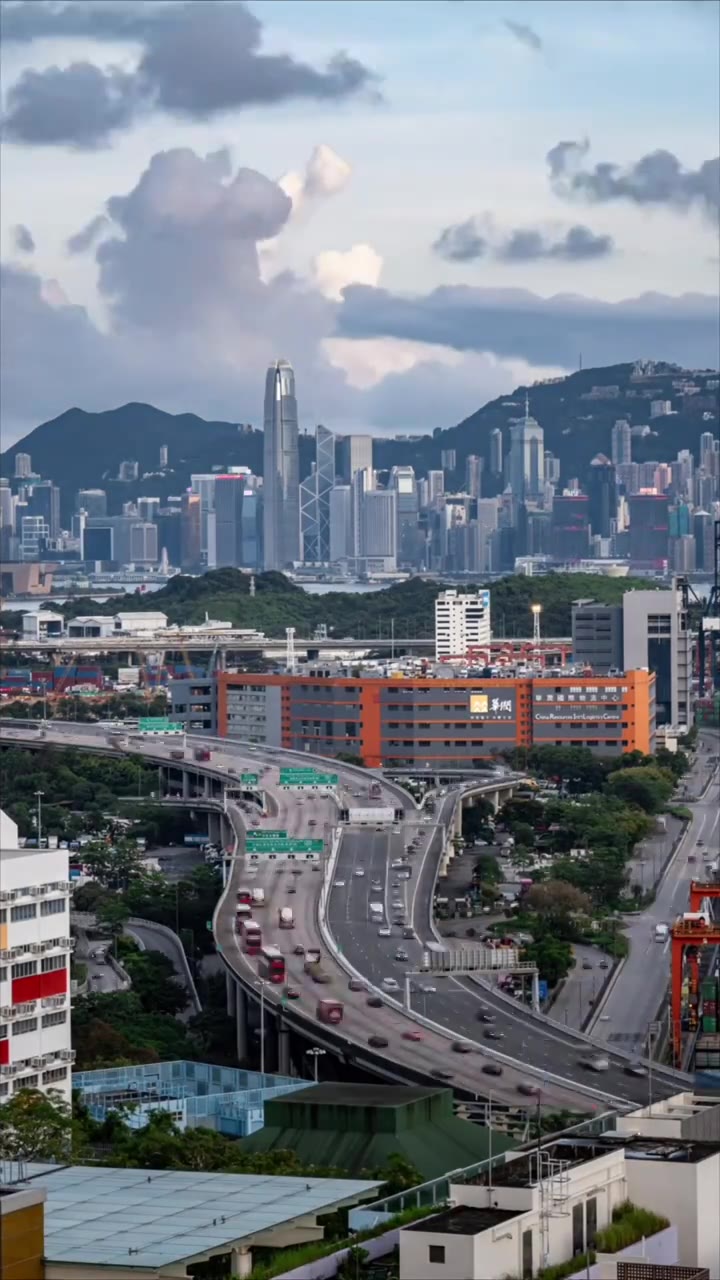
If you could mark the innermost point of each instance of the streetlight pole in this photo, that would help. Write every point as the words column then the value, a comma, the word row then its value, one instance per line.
column 315, row 1053
column 262, row 1026
column 39, row 795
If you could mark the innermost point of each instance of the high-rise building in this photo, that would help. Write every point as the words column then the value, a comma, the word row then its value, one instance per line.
column 7, row 520
column 92, row 501
column 704, row 534
column 352, row 453
column 496, row 451
column 341, row 525
column 649, row 528
column 473, row 474
column 23, row 466
column 229, row 496
column 34, row 533
column 204, row 486
column 315, row 493
column 627, row 475
column 621, row 443
column 656, row 635
column 44, row 500
column 526, row 467
column 163, row 459
column 147, row 508
column 551, row 468
column 379, row 526
column 128, row 470
column 597, row 635
column 402, row 481
column 448, row 459
column 169, row 527
column 281, row 473
column 462, row 623
column 435, row 485
column 570, row 527
column 35, row 938
column 191, row 532
column 602, row 495
column 143, row 535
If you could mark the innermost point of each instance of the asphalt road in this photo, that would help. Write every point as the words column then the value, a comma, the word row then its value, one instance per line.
column 635, row 999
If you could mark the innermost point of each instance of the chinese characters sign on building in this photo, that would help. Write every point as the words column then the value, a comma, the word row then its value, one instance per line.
column 492, row 706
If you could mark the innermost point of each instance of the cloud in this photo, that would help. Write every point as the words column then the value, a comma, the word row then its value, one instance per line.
column 88, row 235
column 461, row 242
column 23, row 239
column 326, row 173
column 517, row 324
column 524, row 34
column 333, row 271
column 468, row 241
column 578, row 244
column 655, row 179
column 196, row 61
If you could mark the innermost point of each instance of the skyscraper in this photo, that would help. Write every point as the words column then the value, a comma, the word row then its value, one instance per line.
column 352, row 453
column 621, row 443
column 281, row 486
column 527, row 457
column 496, row 452
column 473, row 474
column 315, row 500
column 602, row 493
column 23, row 466
column 229, row 494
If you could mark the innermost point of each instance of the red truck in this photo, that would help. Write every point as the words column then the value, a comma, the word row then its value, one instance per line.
column 177, row 755
column 202, row 753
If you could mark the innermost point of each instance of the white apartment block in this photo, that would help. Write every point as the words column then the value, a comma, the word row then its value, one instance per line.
column 462, row 622
column 541, row 1208
column 35, row 947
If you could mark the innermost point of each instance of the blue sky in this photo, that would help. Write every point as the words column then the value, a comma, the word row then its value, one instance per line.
column 456, row 105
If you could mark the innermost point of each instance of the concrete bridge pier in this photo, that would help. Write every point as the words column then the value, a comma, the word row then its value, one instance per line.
column 241, row 1024
column 283, row 1049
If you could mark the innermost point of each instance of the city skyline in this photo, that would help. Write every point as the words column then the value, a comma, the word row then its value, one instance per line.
column 315, row 234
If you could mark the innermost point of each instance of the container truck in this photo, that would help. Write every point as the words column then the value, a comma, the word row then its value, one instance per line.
column 201, row 753
column 661, row 932
column 313, row 966
column 330, row 1011
column 286, row 919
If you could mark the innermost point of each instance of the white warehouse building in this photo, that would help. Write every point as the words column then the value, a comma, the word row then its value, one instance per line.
column 462, row 623
column 35, row 947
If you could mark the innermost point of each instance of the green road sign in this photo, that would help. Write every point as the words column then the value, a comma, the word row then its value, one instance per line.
column 307, row 778
column 249, row 779
column 283, row 846
column 268, row 835
column 159, row 724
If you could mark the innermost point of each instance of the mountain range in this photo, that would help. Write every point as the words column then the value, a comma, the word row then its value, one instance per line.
column 84, row 450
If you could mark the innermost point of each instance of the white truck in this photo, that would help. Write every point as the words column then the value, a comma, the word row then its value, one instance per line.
column 662, row 932
column 258, row 897
column 286, row 919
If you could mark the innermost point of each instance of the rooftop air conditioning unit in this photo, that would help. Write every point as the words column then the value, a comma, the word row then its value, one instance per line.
column 6, row 1072
column 7, row 1011
column 6, row 895
column 37, row 1062
column 66, row 1055
column 37, row 948
column 37, row 890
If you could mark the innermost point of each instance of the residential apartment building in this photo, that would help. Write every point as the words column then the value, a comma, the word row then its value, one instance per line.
column 35, row 947
column 462, row 623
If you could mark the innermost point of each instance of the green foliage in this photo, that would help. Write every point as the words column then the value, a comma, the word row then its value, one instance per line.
column 630, row 1223
column 649, row 788
column 303, row 1255
column 72, row 781
column 114, row 1029
column 153, row 979
column 34, row 1126
column 555, row 902
column 552, row 955
column 571, row 1267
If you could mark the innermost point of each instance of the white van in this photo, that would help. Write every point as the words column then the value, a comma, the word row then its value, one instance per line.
column 377, row 912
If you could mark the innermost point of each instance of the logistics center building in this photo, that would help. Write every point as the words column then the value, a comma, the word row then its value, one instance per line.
column 400, row 722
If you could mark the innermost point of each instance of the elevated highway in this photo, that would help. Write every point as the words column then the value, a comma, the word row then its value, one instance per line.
column 330, row 906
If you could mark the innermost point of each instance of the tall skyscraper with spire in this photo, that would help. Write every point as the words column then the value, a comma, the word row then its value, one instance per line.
column 281, row 482
column 527, row 456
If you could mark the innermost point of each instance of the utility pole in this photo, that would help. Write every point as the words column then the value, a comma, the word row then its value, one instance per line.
column 39, row 795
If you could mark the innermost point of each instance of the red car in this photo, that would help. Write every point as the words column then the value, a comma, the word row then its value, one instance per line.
column 412, row 1035
column 292, row 993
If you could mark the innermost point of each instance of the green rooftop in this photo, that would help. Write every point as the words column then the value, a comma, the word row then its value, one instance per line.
column 354, row 1127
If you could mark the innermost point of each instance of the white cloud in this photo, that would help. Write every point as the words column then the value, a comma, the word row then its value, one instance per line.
column 333, row 269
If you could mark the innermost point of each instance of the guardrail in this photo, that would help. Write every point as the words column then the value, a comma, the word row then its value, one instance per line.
column 153, row 926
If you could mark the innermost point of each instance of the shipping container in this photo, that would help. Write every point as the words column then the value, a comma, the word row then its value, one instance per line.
column 708, row 1024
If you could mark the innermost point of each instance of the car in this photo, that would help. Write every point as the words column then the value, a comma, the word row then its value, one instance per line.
column 338, row 884
column 299, row 950
column 604, row 964
column 255, row 822
column 491, row 1069
column 356, row 984
column 399, row 920
column 408, row 931
column 395, row 884
column 376, row 887
column 493, row 1034
column 398, row 906
column 485, row 1016
column 291, row 993
column 297, row 871
column 378, row 1042
column 635, row 1069
column 359, row 873
column 375, row 1002
column 390, row 984
column 441, row 1074
column 412, row 1035
column 586, row 964
column 595, row 1063
column 461, row 1046
column 401, row 954
column 291, row 889
column 385, row 932
column 312, row 822
column 700, row 844
column 427, row 990
column 691, row 857
column 529, row 1089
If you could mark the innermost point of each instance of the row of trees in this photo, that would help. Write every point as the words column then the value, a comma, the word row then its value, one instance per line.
column 78, row 789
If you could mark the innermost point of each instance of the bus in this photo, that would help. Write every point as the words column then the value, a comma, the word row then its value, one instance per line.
column 250, row 937
column 244, row 897
column 271, row 965
column 242, row 912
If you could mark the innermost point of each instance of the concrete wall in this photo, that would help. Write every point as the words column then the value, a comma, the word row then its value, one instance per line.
column 689, row 1196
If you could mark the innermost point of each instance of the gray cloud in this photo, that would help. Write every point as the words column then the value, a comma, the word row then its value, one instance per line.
column 578, row 244
column 465, row 242
column 196, row 60
column 524, row 34
column 23, row 239
column 88, row 235
column 78, row 106
column 514, row 323
column 655, row 179
column 461, row 242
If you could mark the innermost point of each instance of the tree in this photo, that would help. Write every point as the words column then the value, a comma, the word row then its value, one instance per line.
column 553, row 957
column 487, row 869
column 34, row 1126
column 649, row 789
column 555, row 901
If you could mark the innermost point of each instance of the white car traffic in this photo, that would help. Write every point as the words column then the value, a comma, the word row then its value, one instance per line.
column 339, row 884
column 385, row 932
column 390, row 984
column 359, row 873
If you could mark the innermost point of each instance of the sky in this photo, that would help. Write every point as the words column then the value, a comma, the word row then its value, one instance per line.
column 420, row 205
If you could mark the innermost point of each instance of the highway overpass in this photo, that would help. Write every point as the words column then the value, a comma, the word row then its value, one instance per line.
column 330, row 907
